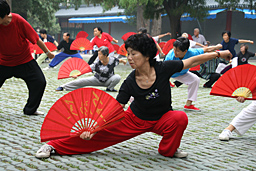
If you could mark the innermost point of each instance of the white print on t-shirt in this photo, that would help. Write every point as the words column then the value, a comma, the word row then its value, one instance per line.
column 152, row 95
column 243, row 59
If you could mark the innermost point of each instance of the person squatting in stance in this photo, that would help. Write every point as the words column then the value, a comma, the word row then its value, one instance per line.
column 242, row 122
column 65, row 44
column 16, row 59
column 104, row 76
column 151, row 110
column 181, row 51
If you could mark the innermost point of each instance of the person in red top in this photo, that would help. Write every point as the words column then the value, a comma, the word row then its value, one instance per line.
column 102, row 39
column 15, row 56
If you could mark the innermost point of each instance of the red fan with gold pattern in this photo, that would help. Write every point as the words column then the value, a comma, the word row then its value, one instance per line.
column 37, row 49
column 238, row 81
column 73, row 67
column 127, row 35
column 81, row 44
column 116, row 47
column 84, row 109
column 82, row 34
column 50, row 46
column 122, row 51
column 168, row 46
column 161, row 44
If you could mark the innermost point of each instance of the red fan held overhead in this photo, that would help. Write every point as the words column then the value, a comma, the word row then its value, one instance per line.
column 238, row 81
column 161, row 44
column 73, row 67
column 82, row 34
column 81, row 44
column 122, row 51
column 84, row 109
column 116, row 47
column 50, row 46
column 127, row 35
column 168, row 46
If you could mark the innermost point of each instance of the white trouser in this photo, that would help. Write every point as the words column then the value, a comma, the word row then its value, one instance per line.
column 245, row 119
column 193, row 81
column 92, row 81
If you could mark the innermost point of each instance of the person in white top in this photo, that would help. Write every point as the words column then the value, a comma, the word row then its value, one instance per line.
column 193, row 44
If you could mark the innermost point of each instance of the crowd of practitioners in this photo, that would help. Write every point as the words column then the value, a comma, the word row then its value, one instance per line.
column 148, row 83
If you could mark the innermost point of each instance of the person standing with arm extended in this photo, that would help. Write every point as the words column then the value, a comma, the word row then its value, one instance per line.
column 16, row 59
column 102, row 39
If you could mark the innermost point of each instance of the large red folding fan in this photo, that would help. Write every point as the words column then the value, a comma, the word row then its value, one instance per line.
column 122, row 51
column 127, row 35
column 238, row 81
column 81, row 44
column 82, row 34
column 84, row 109
column 168, row 46
column 50, row 46
column 37, row 49
column 116, row 47
column 73, row 67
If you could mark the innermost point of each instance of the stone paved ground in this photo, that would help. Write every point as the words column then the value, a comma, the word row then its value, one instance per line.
column 20, row 135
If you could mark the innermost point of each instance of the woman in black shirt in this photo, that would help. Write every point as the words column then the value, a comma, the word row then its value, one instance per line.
column 151, row 110
column 244, row 55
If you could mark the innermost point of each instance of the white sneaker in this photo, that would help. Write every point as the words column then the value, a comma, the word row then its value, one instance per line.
column 180, row 154
column 36, row 113
column 44, row 151
column 46, row 68
column 224, row 136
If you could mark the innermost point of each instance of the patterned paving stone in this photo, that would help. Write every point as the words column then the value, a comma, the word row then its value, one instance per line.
column 20, row 135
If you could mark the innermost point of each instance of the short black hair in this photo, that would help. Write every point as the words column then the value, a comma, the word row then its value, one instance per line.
column 4, row 8
column 98, row 29
column 182, row 43
column 68, row 34
column 228, row 32
column 43, row 31
column 144, row 44
column 143, row 30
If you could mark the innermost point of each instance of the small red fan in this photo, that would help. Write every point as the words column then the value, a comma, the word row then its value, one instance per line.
column 37, row 49
column 84, row 109
column 116, row 47
column 122, row 51
column 238, row 81
column 190, row 37
column 81, row 44
column 50, row 46
column 127, row 35
column 73, row 67
column 82, row 34
column 168, row 46
column 196, row 68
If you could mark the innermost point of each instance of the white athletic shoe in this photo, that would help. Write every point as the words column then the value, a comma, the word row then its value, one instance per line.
column 224, row 136
column 46, row 68
column 180, row 154
column 44, row 151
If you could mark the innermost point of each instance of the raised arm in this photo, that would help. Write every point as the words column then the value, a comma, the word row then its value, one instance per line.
column 162, row 35
column 245, row 41
column 197, row 60
column 212, row 48
column 41, row 44
column 114, row 40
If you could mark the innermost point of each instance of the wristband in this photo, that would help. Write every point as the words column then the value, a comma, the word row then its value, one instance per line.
column 218, row 53
column 47, row 52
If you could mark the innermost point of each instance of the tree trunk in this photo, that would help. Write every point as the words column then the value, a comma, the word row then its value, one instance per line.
column 10, row 3
column 156, row 26
column 175, row 26
column 141, row 22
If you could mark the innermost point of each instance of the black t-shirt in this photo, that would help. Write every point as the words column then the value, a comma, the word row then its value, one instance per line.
column 66, row 46
column 152, row 103
column 243, row 58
